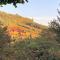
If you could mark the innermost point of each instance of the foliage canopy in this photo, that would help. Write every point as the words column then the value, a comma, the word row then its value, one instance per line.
column 4, row 2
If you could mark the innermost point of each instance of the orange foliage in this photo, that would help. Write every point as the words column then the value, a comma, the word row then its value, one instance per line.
column 21, row 32
column 19, row 26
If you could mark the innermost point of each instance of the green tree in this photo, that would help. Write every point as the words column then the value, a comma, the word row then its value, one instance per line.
column 4, row 2
column 54, row 26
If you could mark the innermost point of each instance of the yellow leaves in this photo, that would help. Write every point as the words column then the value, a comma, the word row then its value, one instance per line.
column 16, row 31
column 27, row 34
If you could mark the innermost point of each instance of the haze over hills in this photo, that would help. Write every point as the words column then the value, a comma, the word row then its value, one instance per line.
column 20, row 27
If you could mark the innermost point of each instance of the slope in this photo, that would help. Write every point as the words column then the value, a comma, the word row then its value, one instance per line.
column 20, row 27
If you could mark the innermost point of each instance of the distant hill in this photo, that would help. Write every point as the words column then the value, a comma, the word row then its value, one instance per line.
column 20, row 27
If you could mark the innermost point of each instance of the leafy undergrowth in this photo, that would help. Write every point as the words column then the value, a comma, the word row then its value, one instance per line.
column 37, row 49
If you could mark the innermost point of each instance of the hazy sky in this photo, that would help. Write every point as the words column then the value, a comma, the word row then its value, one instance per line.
column 40, row 10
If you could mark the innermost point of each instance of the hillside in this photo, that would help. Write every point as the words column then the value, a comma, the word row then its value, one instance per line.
column 20, row 27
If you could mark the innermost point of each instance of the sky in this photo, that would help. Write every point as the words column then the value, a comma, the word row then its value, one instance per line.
column 42, row 11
